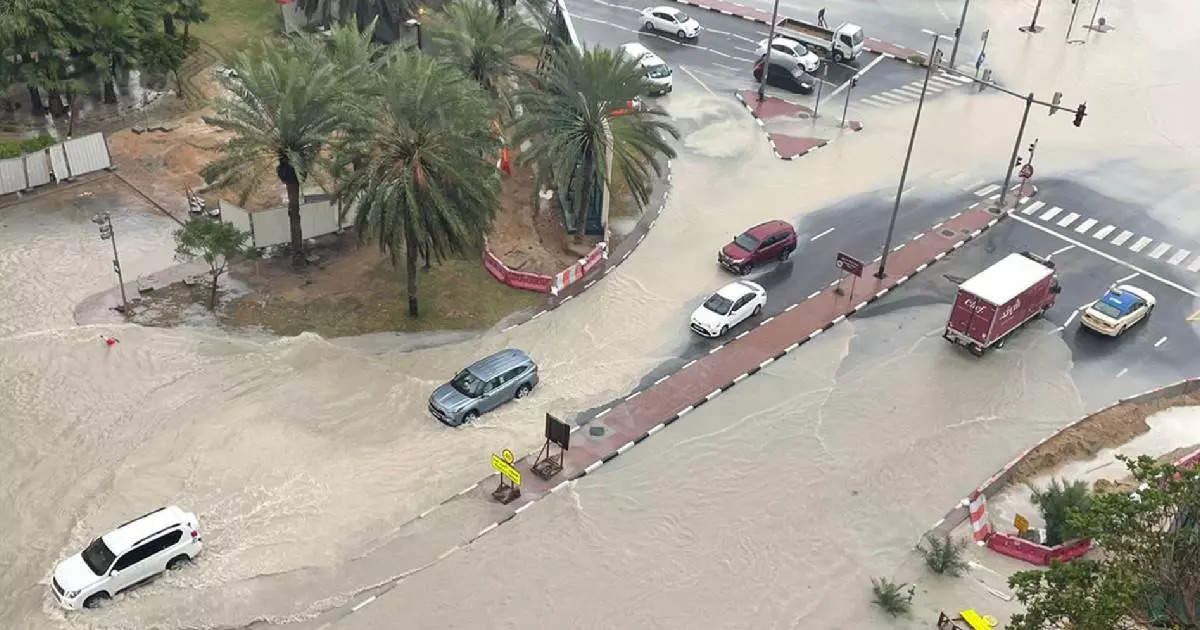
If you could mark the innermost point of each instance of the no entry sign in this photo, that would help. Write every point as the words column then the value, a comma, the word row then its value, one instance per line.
column 849, row 264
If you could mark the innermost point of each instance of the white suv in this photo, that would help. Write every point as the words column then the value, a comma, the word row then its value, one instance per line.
column 131, row 554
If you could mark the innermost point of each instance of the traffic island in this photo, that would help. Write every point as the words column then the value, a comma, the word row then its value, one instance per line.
column 773, row 115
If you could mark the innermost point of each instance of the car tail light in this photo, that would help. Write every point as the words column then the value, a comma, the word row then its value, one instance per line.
column 195, row 534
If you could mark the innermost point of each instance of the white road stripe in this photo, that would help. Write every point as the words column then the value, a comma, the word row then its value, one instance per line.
column 1160, row 342
column 1160, row 250
column 1179, row 256
column 960, row 79
column 945, row 82
column 1121, row 238
column 1060, row 250
column 1122, row 372
column 1033, row 207
column 1068, row 220
column 1104, row 231
column 1128, row 278
column 1082, row 228
column 903, row 97
column 364, row 602
column 1070, row 319
column 987, row 190
column 820, row 235
column 1194, row 265
column 1173, row 285
column 1050, row 214
column 908, row 89
column 890, row 99
column 1140, row 244
column 871, row 103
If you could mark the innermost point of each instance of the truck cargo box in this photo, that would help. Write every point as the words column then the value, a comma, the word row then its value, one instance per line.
column 997, row 300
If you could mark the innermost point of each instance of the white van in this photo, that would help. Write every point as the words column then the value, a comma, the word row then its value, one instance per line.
column 657, row 72
column 132, row 553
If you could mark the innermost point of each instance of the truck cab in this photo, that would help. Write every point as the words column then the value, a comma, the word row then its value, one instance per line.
column 848, row 42
column 844, row 43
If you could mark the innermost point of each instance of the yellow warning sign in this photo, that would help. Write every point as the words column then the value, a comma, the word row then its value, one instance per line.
column 504, row 466
column 1021, row 523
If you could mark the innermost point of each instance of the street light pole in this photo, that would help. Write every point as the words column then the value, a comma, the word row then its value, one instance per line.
column 1092, row 22
column 887, row 243
column 846, row 106
column 762, row 82
column 958, row 32
column 1033, row 27
column 1072, row 23
column 1012, row 161
column 104, row 221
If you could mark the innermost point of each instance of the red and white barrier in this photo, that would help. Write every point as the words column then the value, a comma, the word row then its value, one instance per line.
column 1033, row 553
column 513, row 278
column 577, row 271
column 981, row 527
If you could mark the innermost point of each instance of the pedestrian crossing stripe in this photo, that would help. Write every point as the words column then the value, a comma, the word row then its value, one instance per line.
column 1121, row 238
column 872, row 103
column 1082, row 228
column 1160, row 250
column 1141, row 244
column 1051, row 213
column 1104, row 231
column 1068, row 220
column 1033, row 207
column 987, row 190
column 891, row 100
column 1194, row 265
column 1179, row 256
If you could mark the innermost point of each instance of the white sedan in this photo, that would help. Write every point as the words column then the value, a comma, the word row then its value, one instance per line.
column 1119, row 309
column 671, row 20
column 728, row 307
column 784, row 49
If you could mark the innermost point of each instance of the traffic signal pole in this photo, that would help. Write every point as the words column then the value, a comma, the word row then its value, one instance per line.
column 1012, row 161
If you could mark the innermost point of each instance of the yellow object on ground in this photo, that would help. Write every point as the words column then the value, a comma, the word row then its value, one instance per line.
column 975, row 620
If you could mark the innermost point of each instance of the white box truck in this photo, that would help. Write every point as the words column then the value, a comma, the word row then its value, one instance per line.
column 844, row 43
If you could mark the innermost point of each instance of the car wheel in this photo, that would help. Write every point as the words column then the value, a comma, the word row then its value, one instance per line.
column 724, row 329
column 523, row 391
column 178, row 561
column 747, row 267
column 838, row 57
column 785, row 254
column 95, row 599
column 650, row 26
column 757, row 310
column 681, row 35
column 470, row 416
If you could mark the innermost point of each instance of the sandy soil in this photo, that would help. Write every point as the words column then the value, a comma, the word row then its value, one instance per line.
column 1107, row 429
column 525, row 237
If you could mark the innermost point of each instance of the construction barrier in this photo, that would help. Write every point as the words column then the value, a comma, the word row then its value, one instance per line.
column 981, row 527
column 1033, row 553
column 59, row 162
column 319, row 215
column 513, row 278
column 576, row 272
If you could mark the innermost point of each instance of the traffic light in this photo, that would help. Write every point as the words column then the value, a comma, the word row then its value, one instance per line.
column 1080, row 113
column 1055, row 102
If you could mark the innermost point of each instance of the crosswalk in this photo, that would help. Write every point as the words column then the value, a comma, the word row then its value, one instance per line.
column 1147, row 246
column 909, row 93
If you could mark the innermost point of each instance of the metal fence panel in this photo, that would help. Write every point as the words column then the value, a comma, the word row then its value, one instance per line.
column 12, row 175
column 236, row 217
column 271, row 227
column 37, row 168
column 87, row 154
column 58, row 163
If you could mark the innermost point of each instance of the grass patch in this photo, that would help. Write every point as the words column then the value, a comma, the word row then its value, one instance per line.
column 233, row 24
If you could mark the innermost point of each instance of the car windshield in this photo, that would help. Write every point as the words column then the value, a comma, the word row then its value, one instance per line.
column 857, row 37
column 1107, row 309
column 681, row 17
column 660, row 71
column 799, row 50
column 98, row 556
column 718, row 304
column 467, row 384
column 745, row 241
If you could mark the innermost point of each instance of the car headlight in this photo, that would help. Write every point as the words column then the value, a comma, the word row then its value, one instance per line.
column 71, row 594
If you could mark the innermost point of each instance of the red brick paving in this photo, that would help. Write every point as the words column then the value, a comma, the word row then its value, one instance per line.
column 791, row 147
column 772, row 107
column 645, row 412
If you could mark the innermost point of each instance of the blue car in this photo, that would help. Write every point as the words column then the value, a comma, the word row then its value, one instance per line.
column 1119, row 309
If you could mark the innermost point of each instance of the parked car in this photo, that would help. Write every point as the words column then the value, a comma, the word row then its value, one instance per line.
column 728, row 307
column 658, row 74
column 785, row 50
column 786, row 76
column 483, row 386
column 765, row 242
column 131, row 554
column 1119, row 309
column 998, row 300
column 670, row 20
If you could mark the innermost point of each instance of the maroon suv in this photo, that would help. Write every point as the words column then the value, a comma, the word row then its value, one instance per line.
column 773, row 240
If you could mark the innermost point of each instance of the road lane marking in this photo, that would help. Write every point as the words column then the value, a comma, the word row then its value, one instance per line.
column 1160, row 250
column 1071, row 318
column 730, row 68
column 1122, row 372
column 1104, row 232
column 1173, row 285
column 1194, row 265
column 697, row 80
column 364, row 602
column 713, row 30
column 1179, row 256
column 1050, row 214
column 1033, row 207
column 1120, row 239
column 1068, row 220
column 897, row 94
column 1127, row 278
column 908, row 89
column 857, row 75
column 1140, row 244
column 960, row 79
column 871, row 103
column 944, row 82
column 665, row 38
column 1160, row 342
column 1082, row 228
column 987, row 190
column 974, row 184
column 1059, row 251
column 820, row 235
column 890, row 99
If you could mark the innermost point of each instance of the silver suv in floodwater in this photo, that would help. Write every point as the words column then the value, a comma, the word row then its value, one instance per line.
column 483, row 386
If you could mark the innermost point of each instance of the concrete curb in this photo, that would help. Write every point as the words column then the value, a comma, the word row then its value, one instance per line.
column 770, row 141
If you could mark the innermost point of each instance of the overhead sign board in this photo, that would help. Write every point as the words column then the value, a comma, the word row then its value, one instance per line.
column 849, row 264
column 504, row 465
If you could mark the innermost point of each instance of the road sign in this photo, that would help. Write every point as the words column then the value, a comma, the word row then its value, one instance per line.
column 1027, row 171
column 1021, row 523
column 849, row 264
column 504, row 466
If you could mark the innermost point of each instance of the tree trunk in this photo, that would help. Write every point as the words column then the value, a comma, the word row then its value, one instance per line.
column 500, row 10
column 583, row 198
column 169, row 24
column 110, row 92
column 71, row 113
column 410, row 268
column 35, row 100
column 212, row 294
column 186, row 24
column 57, row 108
column 292, row 182
column 178, row 85
column 425, row 252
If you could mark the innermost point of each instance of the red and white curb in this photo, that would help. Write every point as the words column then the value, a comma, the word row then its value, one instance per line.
column 770, row 141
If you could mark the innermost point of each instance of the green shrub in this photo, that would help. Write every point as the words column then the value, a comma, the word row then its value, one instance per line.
column 943, row 555
column 16, row 148
column 1056, row 503
column 891, row 597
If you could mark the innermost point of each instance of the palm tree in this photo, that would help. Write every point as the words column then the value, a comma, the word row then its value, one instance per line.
column 283, row 112
column 114, row 43
column 581, row 115
column 425, row 177
column 33, row 30
column 484, row 46
column 190, row 12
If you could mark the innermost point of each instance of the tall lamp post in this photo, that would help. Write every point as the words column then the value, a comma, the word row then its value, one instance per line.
column 762, row 82
column 104, row 221
column 934, row 59
column 958, row 32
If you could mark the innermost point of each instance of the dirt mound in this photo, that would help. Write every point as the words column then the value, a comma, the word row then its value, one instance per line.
column 525, row 238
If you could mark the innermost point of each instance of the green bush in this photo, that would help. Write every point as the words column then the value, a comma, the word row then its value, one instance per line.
column 943, row 555
column 1056, row 503
column 16, row 148
column 890, row 596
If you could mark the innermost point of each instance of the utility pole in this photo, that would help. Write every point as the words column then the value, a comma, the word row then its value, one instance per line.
column 958, row 32
column 820, row 82
column 1012, row 161
column 104, row 221
column 846, row 106
column 762, row 83
column 1033, row 27
column 1072, row 23
column 1092, row 22
column 887, row 243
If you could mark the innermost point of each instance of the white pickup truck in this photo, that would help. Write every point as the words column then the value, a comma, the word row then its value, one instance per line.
column 844, row 43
